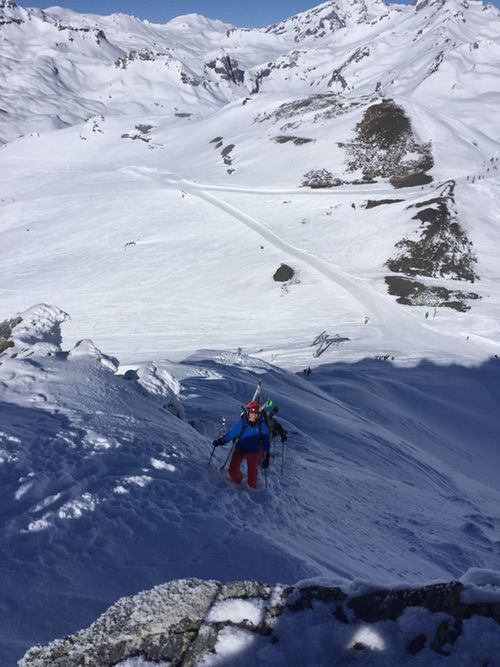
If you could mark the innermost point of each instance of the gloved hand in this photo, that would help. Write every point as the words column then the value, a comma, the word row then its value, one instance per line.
column 265, row 462
column 218, row 442
column 284, row 437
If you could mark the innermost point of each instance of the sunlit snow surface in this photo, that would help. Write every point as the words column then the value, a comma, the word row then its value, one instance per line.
column 157, row 252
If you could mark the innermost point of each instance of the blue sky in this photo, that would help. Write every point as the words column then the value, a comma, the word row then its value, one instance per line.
column 248, row 14
column 243, row 14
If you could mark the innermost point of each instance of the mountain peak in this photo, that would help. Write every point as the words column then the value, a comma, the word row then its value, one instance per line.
column 438, row 4
column 195, row 21
column 328, row 17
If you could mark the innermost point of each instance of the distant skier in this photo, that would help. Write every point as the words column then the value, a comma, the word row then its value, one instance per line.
column 252, row 443
column 427, row 315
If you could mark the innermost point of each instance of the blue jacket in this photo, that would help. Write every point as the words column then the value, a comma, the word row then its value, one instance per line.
column 251, row 438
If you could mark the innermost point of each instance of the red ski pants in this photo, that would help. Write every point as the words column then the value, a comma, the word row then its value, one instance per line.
column 235, row 467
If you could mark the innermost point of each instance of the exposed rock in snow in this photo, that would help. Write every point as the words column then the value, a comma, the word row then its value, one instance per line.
column 442, row 250
column 193, row 622
column 38, row 328
column 327, row 18
column 415, row 293
column 227, row 68
column 283, row 273
column 386, row 146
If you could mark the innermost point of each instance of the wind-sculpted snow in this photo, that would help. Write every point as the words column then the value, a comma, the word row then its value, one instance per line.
column 192, row 622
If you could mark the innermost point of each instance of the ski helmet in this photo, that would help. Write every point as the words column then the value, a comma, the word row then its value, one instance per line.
column 253, row 406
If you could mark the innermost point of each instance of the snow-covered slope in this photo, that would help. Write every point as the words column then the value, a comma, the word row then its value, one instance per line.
column 323, row 192
column 378, row 98
column 105, row 490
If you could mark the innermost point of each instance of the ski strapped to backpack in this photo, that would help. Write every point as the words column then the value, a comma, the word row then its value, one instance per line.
column 267, row 405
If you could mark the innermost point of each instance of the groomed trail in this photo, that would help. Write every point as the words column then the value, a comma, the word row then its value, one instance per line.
column 382, row 309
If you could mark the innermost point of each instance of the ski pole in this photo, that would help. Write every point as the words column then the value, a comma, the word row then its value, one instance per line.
column 223, row 466
column 211, row 456
column 219, row 431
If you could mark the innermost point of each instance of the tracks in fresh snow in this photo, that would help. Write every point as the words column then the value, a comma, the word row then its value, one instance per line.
column 384, row 313
column 328, row 270
column 357, row 288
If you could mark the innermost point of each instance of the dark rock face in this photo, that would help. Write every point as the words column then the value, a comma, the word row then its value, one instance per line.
column 225, row 152
column 389, row 605
column 372, row 203
column 314, row 24
column 298, row 141
column 441, row 250
column 410, row 180
column 284, row 273
column 6, row 332
column 228, row 69
column 416, row 645
column 180, row 622
column 387, row 147
column 446, row 635
column 323, row 105
column 144, row 54
column 356, row 57
column 414, row 293
column 5, row 18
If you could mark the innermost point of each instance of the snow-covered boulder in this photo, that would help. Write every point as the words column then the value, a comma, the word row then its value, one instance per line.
column 86, row 348
column 35, row 331
column 160, row 384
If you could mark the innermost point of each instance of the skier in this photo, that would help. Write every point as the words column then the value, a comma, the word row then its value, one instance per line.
column 252, row 442
column 275, row 429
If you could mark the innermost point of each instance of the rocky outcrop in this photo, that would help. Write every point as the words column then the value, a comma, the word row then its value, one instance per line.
column 183, row 621
column 287, row 138
column 228, row 70
column 315, row 108
column 441, row 250
column 6, row 333
column 283, row 273
column 385, row 146
column 325, row 19
column 144, row 54
column 320, row 178
column 415, row 293
column 9, row 17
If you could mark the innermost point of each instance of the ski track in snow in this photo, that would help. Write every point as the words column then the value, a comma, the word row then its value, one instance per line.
column 380, row 309
column 328, row 270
